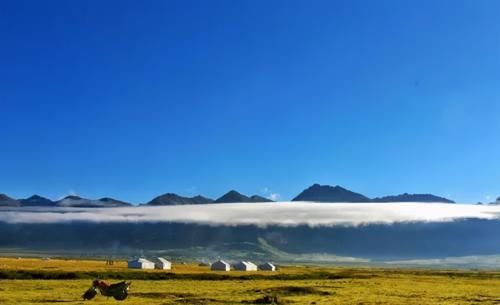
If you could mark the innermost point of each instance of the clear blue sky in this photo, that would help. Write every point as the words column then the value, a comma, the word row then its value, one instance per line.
column 132, row 99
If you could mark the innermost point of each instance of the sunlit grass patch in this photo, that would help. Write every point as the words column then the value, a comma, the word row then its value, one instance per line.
column 192, row 284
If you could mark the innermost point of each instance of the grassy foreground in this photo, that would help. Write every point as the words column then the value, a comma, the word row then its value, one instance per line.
column 191, row 284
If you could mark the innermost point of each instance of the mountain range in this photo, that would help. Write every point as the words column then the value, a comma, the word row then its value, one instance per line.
column 412, row 198
column 68, row 201
column 230, row 197
column 174, row 199
column 234, row 196
column 78, row 202
column 326, row 193
column 314, row 193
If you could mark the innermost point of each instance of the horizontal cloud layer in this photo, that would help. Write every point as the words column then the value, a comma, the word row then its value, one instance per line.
column 261, row 214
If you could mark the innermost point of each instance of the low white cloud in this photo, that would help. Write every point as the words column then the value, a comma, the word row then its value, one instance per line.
column 473, row 260
column 261, row 214
column 269, row 194
column 274, row 196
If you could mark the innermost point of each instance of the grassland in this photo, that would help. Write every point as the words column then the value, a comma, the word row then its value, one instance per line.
column 35, row 281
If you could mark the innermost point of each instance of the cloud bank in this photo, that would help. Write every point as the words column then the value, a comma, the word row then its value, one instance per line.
column 261, row 214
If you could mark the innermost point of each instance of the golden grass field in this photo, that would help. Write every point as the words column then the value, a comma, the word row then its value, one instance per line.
column 342, row 285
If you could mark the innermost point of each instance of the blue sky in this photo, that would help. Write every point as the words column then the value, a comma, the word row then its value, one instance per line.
column 132, row 99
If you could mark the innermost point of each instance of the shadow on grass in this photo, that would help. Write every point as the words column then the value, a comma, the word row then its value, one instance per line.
column 293, row 290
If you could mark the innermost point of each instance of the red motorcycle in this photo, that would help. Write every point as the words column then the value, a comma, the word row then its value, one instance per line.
column 119, row 291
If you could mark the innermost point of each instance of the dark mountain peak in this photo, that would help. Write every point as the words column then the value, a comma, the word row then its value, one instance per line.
column 413, row 198
column 234, row 193
column 327, row 193
column 5, row 197
column 232, row 196
column 79, row 202
column 170, row 195
column 257, row 198
column 316, row 186
column 35, row 197
column 165, row 199
column 7, row 201
column 198, row 199
column 174, row 199
column 72, row 197
column 113, row 202
column 37, row 200
column 319, row 187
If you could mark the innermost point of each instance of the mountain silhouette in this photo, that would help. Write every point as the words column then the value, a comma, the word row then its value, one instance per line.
column 326, row 193
column 174, row 199
column 314, row 193
column 6, row 201
column 413, row 198
column 37, row 201
column 79, row 202
column 233, row 196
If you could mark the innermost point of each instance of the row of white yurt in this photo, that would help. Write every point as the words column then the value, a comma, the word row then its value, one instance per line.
column 161, row 263
column 156, row 263
column 245, row 266
column 267, row 267
column 221, row 265
column 141, row 263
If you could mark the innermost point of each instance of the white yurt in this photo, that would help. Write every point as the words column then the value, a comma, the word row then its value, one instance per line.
column 267, row 267
column 140, row 263
column 220, row 265
column 245, row 266
column 161, row 263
